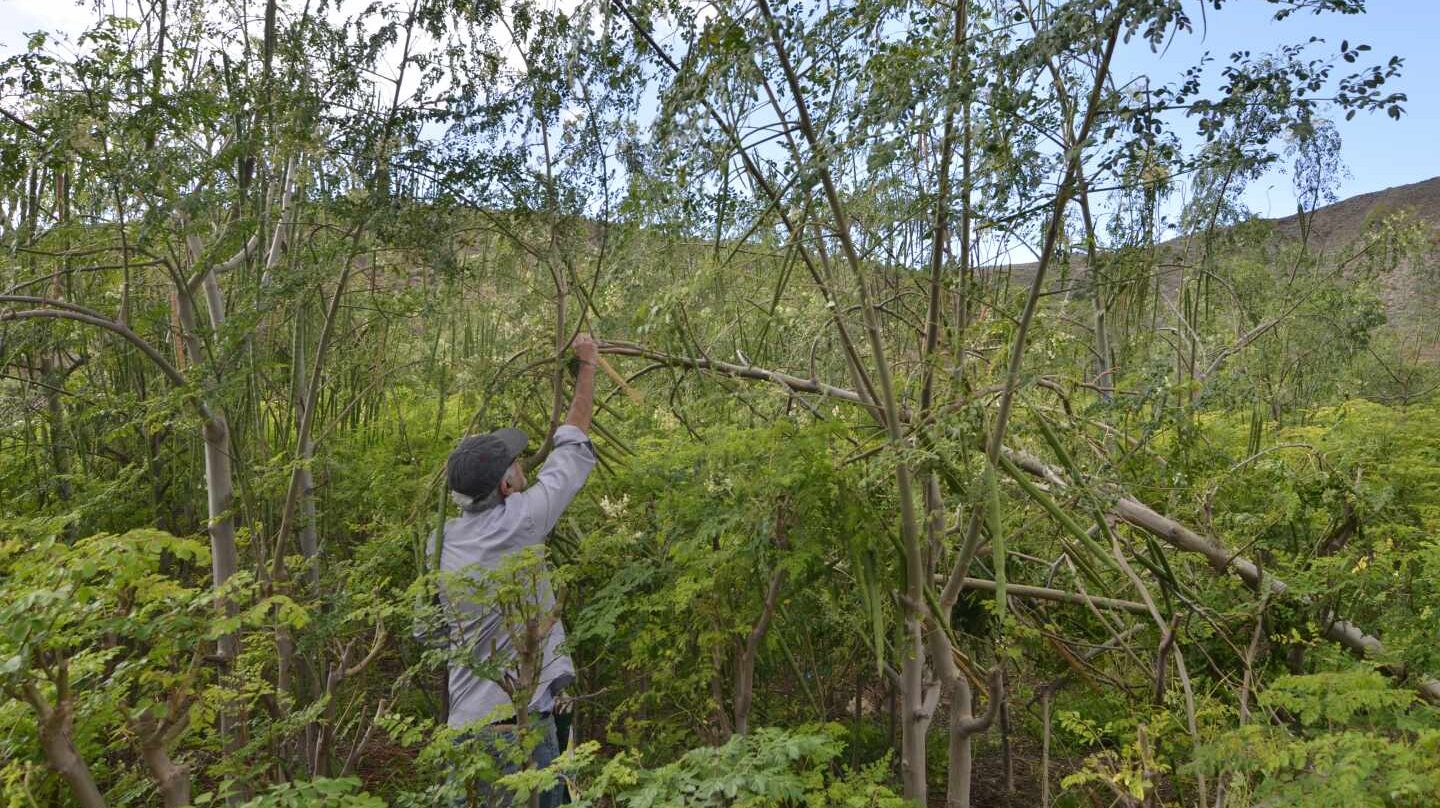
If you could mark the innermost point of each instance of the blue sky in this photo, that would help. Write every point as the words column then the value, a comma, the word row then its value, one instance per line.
column 1379, row 152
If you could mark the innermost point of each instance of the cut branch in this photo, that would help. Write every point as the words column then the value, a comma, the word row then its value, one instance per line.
column 1054, row 595
column 794, row 383
column 1126, row 508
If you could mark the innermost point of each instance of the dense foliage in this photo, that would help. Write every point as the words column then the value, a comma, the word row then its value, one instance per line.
column 883, row 513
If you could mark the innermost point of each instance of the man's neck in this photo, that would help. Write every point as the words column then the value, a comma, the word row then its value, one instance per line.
column 482, row 505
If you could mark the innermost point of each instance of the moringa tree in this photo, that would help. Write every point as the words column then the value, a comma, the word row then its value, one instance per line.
column 896, row 151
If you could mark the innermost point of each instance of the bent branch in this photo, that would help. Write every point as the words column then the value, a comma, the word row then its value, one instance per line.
column 1126, row 508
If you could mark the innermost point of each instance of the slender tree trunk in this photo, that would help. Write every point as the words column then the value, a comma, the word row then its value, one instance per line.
column 219, row 479
column 301, row 481
column 717, row 693
column 52, row 370
column 1099, row 301
column 912, row 687
column 220, row 501
column 56, row 724
column 745, row 665
column 914, row 715
column 892, row 705
column 305, row 480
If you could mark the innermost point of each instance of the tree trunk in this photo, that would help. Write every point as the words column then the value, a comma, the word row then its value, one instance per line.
column 964, row 726
column 220, row 499
column 1103, row 381
column 745, row 666
column 914, row 720
column 962, row 711
column 220, row 490
column 914, row 714
column 305, row 480
column 172, row 779
column 60, row 752
column 717, row 693
column 52, row 365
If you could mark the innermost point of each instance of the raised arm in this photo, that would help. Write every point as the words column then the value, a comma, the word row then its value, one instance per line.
column 583, row 404
column 572, row 457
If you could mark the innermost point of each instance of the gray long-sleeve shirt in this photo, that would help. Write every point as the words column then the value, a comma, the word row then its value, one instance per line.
column 482, row 540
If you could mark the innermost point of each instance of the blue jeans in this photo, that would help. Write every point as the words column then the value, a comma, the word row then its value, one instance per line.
column 498, row 742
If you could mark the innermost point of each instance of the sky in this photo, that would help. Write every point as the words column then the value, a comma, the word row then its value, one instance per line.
column 1378, row 151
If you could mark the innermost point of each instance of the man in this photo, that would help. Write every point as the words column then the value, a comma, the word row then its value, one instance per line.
column 500, row 515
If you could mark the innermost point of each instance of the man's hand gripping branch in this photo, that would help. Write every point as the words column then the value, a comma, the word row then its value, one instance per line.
column 583, row 404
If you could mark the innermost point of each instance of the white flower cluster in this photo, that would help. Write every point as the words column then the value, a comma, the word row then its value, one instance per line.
column 615, row 508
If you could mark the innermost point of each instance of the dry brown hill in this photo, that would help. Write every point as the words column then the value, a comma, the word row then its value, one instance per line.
column 1411, row 291
column 1345, row 220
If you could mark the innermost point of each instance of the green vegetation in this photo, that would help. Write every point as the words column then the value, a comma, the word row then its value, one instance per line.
column 1153, row 519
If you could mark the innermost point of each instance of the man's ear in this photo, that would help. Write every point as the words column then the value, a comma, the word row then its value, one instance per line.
column 507, row 487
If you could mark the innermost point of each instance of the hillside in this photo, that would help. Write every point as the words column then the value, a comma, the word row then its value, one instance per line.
column 1410, row 292
column 1343, row 221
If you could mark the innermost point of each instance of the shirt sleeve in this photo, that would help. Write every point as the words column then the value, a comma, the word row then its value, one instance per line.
column 570, row 461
